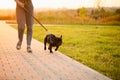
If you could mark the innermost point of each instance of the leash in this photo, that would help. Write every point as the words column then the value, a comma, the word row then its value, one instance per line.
column 36, row 19
column 38, row 22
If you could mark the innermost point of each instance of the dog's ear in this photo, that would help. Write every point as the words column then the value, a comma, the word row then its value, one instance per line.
column 61, row 36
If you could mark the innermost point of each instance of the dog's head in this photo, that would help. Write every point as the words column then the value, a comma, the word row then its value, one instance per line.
column 59, row 40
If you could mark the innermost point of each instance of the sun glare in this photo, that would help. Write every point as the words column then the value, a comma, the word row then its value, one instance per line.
column 6, row 4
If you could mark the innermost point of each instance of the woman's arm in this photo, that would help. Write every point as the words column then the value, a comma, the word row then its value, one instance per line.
column 20, row 3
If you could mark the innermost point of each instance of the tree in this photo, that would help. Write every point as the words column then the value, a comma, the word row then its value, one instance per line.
column 102, row 13
column 117, row 11
column 82, row 12
column 95, row 14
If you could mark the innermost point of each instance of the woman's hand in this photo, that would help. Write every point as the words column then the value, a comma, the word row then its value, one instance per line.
column 20, row 3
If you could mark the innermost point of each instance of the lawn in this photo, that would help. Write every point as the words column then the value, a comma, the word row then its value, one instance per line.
column 95, row 46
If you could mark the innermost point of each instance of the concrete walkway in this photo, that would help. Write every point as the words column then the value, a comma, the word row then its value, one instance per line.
column 39, row 65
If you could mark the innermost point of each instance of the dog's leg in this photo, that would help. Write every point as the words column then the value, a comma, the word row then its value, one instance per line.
column 45, row 41
column 56, row 48
column 50, row 48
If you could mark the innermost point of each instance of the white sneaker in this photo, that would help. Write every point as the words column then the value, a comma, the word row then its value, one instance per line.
column 29, row 50
column 18, row 46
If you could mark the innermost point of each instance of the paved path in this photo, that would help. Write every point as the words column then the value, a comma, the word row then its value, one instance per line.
column 39, row 65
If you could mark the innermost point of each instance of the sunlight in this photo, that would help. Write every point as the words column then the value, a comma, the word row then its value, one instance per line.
column 7, row 4
column 72, row 4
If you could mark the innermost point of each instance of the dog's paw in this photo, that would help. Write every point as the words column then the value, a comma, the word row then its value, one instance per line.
column 45, row 48
column 56, row 49
column 51, row 52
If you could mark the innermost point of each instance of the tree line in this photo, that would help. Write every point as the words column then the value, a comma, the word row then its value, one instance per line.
column 82, row 15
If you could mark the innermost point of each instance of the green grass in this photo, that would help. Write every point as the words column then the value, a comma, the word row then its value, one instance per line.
column 95, row 46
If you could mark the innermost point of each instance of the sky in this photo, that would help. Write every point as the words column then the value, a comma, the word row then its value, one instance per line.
column 71, row 4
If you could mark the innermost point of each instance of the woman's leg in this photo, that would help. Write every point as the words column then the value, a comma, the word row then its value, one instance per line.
column 20, row 14
column 29, row 23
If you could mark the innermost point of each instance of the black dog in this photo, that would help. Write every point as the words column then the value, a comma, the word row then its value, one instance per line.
column 53, row 41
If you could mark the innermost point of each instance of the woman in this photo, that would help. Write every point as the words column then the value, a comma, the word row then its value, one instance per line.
column 24, row 18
